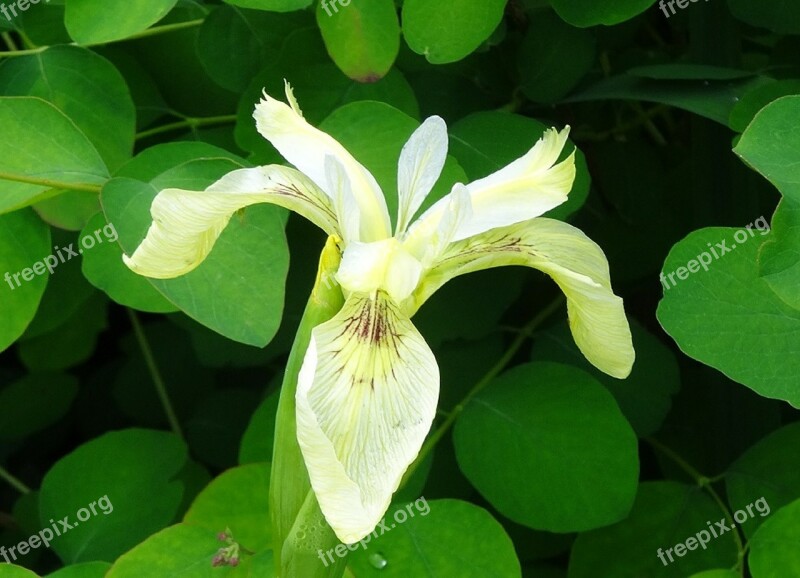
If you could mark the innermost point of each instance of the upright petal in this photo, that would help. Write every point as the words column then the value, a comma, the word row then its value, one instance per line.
column 597, row 317
column 428, row 238
column 306, row 148
column 527, row 188
column 366, row 398
column 421, row 164
column 186, row 224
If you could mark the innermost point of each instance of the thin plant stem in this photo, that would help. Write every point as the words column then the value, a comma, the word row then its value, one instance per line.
column 155, row 373
column 192, row 123
column 7, row 38
column 49, row 183
column 156, row 30
column 706, row 483
column 14, row 482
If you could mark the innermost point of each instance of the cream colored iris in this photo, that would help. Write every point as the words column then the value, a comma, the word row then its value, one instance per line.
column 369, row 385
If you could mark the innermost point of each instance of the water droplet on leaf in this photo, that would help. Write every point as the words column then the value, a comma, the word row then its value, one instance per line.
column 378, row 561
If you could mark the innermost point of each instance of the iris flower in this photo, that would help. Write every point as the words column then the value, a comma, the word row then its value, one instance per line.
column 369, row 385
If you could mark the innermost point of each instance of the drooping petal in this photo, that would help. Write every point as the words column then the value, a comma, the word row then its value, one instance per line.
column 596, row 316
column 186, row 224
column 306, row 148
column 527, row 188
column 421, row 164
column 366, row 398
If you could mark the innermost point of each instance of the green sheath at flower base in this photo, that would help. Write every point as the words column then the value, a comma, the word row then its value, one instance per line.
column 368, row 387
column 289, row 484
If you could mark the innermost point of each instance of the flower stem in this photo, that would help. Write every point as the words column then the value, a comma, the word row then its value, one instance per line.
column 293, row 505
column 86, row 187
column 14, row 482
column 496, row 370
column 192, row 123
column 155, row 374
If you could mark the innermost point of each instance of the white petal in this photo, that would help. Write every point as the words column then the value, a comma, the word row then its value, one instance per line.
column 384, row 265
column 421, row 164
column 344, row 201
column 527, row 188
column 186, row 224
column 428, row 238
column 306, row 148
column 366, row 398
column 576, row 264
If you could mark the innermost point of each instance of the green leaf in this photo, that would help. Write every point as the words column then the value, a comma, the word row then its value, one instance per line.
column 449, row 30
column 10, row 571
column 665, row 514
column 92, row 23
column 753, row 101
column 362, row 36
column 645, row 397
column 712, row 99
column 776, row 15
column 35, row 129
column 272, row 5
column 769, row 471
column 728, row 317
column 238, row 290
column 259, row 437
column 772, row 551
column 24, row 242
column 71, row 343
column 103, row 268
column 70, row 210
column 553, row 58
column 44, row 25
column 305, row 63
column 585, row 13
column 115, row 490
column 779, row 259
column 722, row 573
column 771, row 142
column 87, row 570
column 238, row 499
column 214, row 350
column 437, row 539
column 182, row 550
column 234, row 43
column 485, row 142
column 532, row 438
column 680, row 71
column 23, row 410
column 85, row 87
column 67, row 290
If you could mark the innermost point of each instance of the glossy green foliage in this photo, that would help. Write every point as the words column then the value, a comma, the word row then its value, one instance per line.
column 138, row 415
